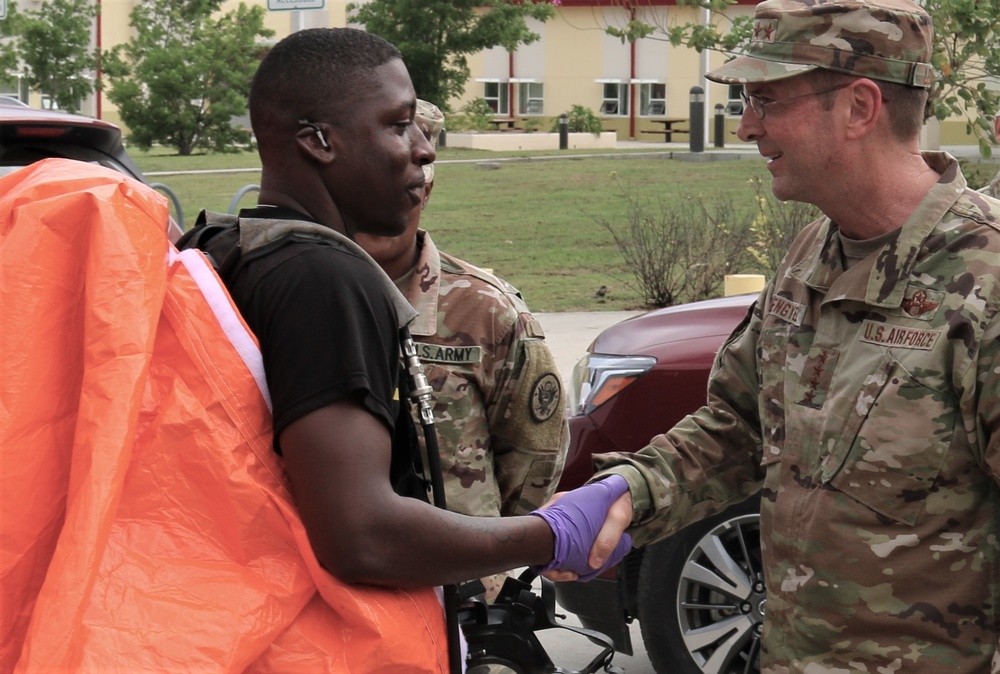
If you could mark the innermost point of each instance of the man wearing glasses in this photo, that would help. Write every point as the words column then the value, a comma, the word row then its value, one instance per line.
column 861, row 394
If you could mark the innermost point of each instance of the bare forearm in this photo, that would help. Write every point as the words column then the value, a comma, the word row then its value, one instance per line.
column 338, row 463
column 415, row 544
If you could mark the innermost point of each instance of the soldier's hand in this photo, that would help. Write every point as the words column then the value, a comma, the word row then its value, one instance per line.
column 618, row 519
column 558, row 576
column 578, row 519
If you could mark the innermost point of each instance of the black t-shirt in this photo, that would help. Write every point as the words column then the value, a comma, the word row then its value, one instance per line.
column 327, row 332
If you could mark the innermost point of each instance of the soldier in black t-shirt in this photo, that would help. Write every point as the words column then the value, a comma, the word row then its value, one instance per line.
column 332, row 111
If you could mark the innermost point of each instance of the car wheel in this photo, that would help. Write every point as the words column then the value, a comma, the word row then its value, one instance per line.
column 701, row 595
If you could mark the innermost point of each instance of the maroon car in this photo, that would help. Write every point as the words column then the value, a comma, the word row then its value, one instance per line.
column 699, row 595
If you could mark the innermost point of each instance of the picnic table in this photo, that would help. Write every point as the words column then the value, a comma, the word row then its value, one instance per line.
column 671, row 125
column 504, row 123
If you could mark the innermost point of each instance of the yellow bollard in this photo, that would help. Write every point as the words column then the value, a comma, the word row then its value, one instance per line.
column 739, row 284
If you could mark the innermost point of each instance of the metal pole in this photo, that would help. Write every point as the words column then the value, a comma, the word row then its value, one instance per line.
column 563, row 132
column 697, row 117
column 720, row 125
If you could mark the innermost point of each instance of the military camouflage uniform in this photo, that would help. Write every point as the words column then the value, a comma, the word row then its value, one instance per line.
column 887, row 40
column 993, row 189
column 499, row 408
column 866, row 403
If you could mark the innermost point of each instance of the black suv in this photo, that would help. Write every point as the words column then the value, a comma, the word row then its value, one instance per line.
column 28, row 135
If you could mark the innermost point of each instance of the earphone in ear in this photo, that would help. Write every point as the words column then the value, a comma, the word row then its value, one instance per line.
column 318, row 131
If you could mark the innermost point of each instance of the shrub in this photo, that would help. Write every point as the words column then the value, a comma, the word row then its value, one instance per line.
column 681, row 250
column 532, row 124
column 978, row 174
column 474, row 116
column 774, row 226
column 581, row 120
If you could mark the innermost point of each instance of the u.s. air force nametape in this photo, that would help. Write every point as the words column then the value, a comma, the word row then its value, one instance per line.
column 884, row 334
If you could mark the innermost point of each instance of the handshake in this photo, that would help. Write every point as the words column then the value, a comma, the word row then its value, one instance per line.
column 587, row 524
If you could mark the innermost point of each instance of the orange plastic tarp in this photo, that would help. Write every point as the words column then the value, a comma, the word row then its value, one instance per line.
column 145, row 522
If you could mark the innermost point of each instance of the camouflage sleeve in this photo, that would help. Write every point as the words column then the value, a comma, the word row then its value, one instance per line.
column 710, row 459
column 988, row 416
column 527, row 414
column 988, row 412
column 993, row 188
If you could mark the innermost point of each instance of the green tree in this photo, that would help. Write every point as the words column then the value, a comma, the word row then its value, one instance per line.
column 186, row 74
column 966, row 55
column 967, row 58
column 436, row 36
column 8, row 45
column 51, row 47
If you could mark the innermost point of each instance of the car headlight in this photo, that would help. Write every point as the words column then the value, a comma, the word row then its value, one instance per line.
column 597, row 378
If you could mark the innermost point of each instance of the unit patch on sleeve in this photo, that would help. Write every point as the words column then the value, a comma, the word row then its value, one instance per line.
column 450, row 355
column 545, row 397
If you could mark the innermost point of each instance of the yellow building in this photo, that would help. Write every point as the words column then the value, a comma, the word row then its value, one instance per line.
column 627, row 84
column 635, row 88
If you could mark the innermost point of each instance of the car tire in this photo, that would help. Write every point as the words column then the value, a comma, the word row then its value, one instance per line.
column 701, row 595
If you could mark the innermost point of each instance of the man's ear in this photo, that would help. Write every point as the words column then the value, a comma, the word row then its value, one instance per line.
column 866, row 107
column 313, row 139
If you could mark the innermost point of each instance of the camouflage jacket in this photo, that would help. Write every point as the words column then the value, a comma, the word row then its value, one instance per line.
column 499, row 408
column 993, row 189
column 866, row 404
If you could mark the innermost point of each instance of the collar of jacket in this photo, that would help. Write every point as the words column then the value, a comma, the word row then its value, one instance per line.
column 425, row 287
column 889, row 271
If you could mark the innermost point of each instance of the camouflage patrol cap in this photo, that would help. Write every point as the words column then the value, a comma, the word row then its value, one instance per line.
column 880, row 39
column 430, row 119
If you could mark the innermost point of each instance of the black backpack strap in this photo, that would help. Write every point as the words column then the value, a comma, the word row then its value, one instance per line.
column 205, row 236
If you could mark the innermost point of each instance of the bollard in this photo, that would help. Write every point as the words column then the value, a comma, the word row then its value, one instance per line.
column 443, row 138
column 720, row 125
column 563, row 132
column 697, row 123
column 739, row 284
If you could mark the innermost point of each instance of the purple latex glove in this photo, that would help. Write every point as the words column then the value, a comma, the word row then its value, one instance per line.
column 575, row 519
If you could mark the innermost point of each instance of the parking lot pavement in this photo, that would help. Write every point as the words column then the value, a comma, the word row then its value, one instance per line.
column 568, row 334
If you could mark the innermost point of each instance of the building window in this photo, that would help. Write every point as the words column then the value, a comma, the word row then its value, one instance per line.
column 652, row 99
column 495, row 94
column 14, row 87
column 615, row 99
column 530, row 98
column 734, row 105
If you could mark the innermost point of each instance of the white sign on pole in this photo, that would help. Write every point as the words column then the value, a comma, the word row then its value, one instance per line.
column 277, row 5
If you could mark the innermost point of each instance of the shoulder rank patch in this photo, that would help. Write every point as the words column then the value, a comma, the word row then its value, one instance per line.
column 450, row 355
column 545, row 397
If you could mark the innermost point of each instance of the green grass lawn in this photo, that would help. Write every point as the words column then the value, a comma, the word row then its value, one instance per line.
column 534, row 223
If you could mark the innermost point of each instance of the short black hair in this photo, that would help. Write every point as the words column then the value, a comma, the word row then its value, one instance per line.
column 314, row 74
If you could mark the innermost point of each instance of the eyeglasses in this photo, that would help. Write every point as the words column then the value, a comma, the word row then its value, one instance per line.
column 759, row 107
